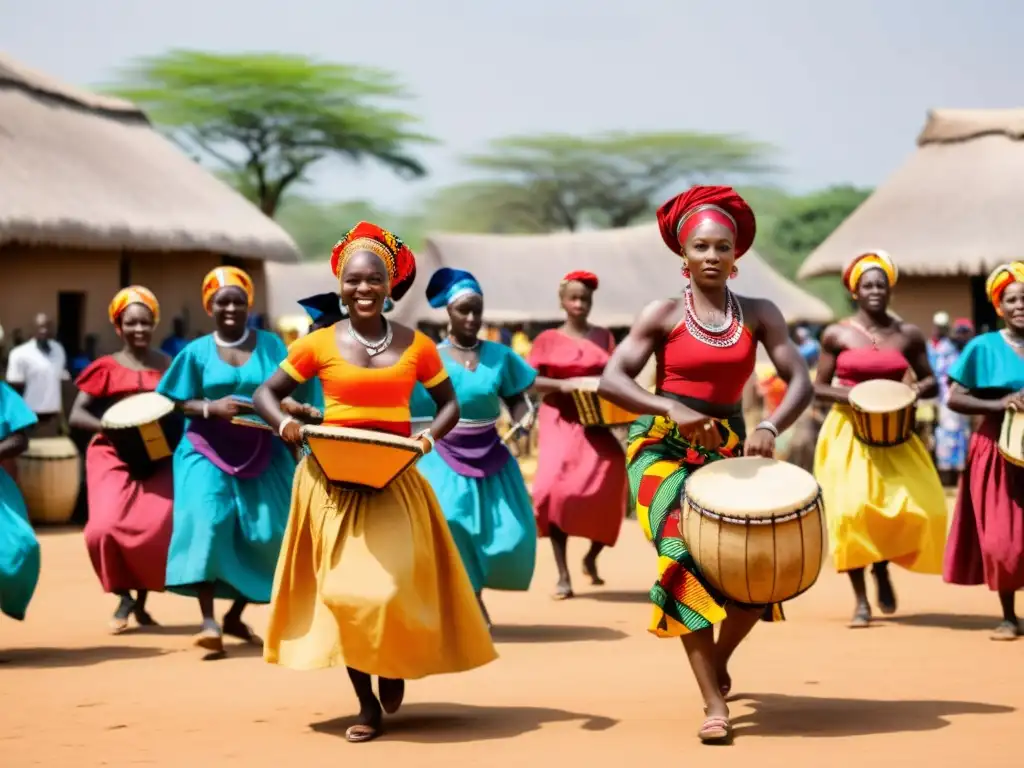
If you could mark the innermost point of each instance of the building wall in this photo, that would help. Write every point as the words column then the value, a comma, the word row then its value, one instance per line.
column 917, row 299
column 32, row 278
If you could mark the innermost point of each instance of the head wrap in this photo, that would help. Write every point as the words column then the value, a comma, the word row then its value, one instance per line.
column 448, row 285
column 133, row 294
column 678, row 217
column 1000, row 279
column 868, row 261
column 225, row 277
column 589, row 279
column 398, row 259
column 963, row 323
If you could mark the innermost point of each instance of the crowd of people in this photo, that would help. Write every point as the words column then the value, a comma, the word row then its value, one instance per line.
column 390, row 583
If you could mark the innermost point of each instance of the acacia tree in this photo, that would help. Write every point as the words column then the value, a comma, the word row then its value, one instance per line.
column 266, row 119
column 563, row 181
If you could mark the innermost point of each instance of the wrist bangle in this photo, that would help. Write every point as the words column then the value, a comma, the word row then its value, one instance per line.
column 206, row 409
column 768, row 426
column 284, row 423
column 429, row 437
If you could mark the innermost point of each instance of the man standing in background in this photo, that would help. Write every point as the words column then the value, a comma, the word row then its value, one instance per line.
column 810, row 349
column 37, row 370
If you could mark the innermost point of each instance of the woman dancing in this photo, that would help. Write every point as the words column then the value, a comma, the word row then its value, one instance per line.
column 19, row 548
column 883, row 503
column 370, row 580
column 130, row 518
column 231, row 482
column 986, row 542
column 580, row 485
column 475, row 477
column 705, row 344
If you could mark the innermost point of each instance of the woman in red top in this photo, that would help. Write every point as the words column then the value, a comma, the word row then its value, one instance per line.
column 580, row 485
column 704, row 343
column 129, row 528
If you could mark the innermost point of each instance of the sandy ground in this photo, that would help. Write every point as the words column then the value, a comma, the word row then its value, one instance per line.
column 579, row 682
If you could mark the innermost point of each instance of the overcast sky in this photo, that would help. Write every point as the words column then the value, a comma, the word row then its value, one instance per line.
column 842, row 88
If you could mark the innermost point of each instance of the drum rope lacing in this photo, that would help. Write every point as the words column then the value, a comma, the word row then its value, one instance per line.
column 373, row 348
column 724, row 335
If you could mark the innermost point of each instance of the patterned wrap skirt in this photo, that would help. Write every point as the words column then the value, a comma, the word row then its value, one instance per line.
column 659, row 460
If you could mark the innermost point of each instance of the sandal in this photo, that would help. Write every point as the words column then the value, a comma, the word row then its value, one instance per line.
column 210, row 639
column 861, row 618
column 1006, row 630
column 118, row 625
column 357, row 734
column 715, row 730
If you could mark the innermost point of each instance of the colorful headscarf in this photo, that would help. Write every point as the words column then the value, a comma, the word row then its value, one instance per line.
column 398, row 259
column 133, row 294
column 589, row 279
column 1000, row 279
column 448, row 285
column 678, row 217
column 225, row 277
column 864, row 263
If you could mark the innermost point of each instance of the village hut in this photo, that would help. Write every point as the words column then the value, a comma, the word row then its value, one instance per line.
column 92, row 199
column 948, row 216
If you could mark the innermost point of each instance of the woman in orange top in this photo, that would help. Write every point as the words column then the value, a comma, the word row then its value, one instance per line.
column 370, row 580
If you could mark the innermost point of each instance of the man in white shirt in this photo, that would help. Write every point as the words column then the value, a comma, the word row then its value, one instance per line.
column 37, row 370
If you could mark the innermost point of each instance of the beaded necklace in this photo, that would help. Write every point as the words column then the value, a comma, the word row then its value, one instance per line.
column 721, row 335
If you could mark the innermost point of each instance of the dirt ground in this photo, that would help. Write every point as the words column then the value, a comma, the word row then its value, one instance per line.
column 578, row 681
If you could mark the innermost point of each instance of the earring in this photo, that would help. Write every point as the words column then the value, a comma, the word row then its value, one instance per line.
column 735, row 271
column 686, row 272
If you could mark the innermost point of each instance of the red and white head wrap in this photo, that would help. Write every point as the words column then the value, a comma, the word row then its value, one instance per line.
column 681, row 215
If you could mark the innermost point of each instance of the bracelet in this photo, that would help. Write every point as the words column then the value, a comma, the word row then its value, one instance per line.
column 769, row 426
column 284, row 423
column 430, row 438
column 206, row 409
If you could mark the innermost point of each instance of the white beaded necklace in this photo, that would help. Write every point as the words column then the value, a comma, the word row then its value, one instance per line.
column 228, row 344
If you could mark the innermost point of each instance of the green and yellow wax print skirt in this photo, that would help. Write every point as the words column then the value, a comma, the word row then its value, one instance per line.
column 659, row 459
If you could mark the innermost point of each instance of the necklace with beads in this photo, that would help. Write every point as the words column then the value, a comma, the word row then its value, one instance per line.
column 373, row 348
column 229, row 344
column 724, row 334
column 1012, row 340
column 474, row 347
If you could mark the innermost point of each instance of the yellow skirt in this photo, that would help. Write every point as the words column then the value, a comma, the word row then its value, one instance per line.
column 372, row 581
column 881, row 503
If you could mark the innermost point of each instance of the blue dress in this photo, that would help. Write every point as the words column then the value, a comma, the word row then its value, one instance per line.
column 491, row 518
column 19, row 548
column 228, row 529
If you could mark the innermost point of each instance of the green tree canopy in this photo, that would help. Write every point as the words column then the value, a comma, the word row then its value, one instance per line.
column 317, row 226
column 564, row 182
column 266, row 119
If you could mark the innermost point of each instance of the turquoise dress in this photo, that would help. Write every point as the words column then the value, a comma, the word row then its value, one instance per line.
column 228, row 529
column 490, row 517
column 19, row 548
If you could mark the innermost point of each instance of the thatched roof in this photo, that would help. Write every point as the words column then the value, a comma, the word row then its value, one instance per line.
column 520, row 276
column 83, row 170
column 952, row 208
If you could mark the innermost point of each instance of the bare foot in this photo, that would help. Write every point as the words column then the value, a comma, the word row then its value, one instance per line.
column 590, row 569
column 119, row 621
column 861, row 616
column 563, row 591
column 210, row 638
column 235, row 627
column 391, row 692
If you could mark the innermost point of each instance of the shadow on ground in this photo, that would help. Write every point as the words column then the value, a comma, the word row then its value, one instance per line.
column 454, row 723
column 971, row 623
column 49, row 658
column 552, row 633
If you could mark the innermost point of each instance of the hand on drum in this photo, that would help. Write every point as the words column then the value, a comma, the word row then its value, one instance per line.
column 699, row 430
column 427, row 445
column 226, row 408
column 761, row 442
column 301, row 411
column 1014, row 402
column 291, row 433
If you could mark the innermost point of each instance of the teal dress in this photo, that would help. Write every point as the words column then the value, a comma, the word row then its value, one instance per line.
column 19, row 548
column 476, row 480
column 228, row 525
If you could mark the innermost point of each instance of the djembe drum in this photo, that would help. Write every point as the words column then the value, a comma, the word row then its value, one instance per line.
column 144, row 430
column 49, row 476
column 361, row 459
column 593, row 410
column 1011, row 438
column 883, row 412
column 755, row 527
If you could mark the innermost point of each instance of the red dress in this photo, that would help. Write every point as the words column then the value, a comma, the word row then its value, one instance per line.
column 129, row 528
column 580, row 484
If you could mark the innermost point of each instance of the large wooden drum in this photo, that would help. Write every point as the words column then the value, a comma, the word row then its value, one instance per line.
column 361, row 458
column 883, row 412
column 593, row 410
column 144, row 430
column 1011, row 438
column 49, row 476
column 755, row 527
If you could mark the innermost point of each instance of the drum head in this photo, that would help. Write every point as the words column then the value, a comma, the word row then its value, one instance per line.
column 326, row 431
column 587, row 383
column 751, row 487
column 137, row 409
column 50, row 448
column 881, row 396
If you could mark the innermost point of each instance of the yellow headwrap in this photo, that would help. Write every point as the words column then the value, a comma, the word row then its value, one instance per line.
column 133, row 294
column 222, row 277
column 1001, row 277
column 870, row 260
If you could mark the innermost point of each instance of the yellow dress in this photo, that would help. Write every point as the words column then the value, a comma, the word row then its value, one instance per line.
column 371, row 580
column 882, row 503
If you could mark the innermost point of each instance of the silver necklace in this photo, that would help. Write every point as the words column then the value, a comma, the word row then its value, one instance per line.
column 373, row 348
column 228, row 344
column 1012, row 340
column 471, row 348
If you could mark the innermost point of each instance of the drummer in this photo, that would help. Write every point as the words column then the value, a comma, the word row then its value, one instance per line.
column 705, row 343
column 883, row 503
column 129, row 526
column 19, row 548
column 986, row 541
column 370, row 580
column 580, row 485
column 231, row 483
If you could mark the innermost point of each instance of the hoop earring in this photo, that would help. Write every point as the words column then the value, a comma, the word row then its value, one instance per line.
column 735, row 271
